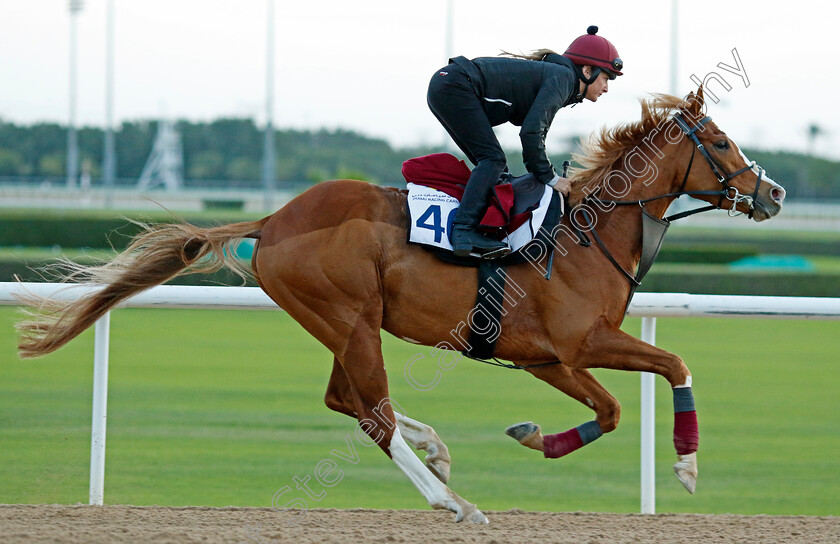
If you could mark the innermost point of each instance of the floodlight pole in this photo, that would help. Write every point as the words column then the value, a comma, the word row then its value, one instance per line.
column 268, row 173
column 75, row 7
column 448, row 47
column 450, row 20
column 674, row 45
column 109, row 161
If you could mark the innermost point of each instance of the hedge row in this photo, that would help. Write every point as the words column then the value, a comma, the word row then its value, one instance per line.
column 791, row 284
column 778, row 244
column 34, row 271
column 75, row 230
column 704, row 253
column 72, row 231
column 69, row 233
column 729, row 283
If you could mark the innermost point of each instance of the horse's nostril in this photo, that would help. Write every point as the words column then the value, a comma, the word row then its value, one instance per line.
column 777, row 194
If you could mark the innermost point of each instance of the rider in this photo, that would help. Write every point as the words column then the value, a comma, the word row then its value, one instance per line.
column 471, row 97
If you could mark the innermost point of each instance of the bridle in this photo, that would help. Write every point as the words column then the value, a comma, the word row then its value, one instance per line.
column 658, row 227
column 727, row 191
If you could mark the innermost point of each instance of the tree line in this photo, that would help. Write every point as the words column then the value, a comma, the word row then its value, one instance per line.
column 229, row 151
column 221, row 150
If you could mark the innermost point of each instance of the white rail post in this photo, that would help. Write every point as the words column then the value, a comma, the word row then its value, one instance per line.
column 648, row 412
column 100, row 409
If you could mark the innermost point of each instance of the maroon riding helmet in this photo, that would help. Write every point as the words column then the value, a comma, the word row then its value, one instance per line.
column 595, row 51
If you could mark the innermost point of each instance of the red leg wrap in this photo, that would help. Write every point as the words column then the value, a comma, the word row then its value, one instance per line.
column 686, row 432
column 560, row 444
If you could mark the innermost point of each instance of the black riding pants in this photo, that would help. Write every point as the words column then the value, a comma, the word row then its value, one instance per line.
column 453, row 101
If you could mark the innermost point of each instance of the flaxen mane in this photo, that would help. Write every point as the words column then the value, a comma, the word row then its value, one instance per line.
column 605, row 150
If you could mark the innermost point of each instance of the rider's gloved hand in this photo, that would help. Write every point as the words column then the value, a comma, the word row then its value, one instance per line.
column 561, row 185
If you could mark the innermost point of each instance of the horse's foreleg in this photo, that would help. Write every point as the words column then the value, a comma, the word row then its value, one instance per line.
column 581, row 385
column 686, row 435
column 612, row 348
column 423, row 437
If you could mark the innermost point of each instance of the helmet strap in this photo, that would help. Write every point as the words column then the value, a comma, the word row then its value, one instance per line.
column 596, row 71
column 587, row 81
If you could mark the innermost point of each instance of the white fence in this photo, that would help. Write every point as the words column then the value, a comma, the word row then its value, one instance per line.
column 648, row 306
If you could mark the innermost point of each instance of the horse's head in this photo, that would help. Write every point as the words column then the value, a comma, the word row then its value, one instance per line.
column 719, row 172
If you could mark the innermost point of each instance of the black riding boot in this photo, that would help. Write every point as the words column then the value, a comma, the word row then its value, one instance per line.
column 466, row 241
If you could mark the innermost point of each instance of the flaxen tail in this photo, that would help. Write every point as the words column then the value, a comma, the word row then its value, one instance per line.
column 156, row 255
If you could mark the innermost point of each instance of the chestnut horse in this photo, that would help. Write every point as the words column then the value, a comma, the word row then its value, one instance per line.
column 336, row 259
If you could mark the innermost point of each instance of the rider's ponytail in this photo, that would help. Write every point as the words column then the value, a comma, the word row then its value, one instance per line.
column 538, row 54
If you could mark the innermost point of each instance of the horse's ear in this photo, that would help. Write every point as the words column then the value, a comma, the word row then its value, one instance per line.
column 700, row 101
column 693, row 103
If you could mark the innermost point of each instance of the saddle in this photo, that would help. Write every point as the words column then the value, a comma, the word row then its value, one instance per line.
column 512, row 201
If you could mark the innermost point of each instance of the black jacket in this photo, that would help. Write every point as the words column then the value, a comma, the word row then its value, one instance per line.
column 527, row 94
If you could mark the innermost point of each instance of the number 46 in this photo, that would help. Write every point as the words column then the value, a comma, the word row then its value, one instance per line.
column 433, row 212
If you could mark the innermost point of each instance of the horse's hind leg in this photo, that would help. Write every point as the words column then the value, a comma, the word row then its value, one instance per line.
column 359, row 386
column 339, row 398
column 329, row 281
column 365, row 370
column 423, row 437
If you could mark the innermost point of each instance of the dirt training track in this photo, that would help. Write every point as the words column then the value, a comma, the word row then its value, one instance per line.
column 136, row 524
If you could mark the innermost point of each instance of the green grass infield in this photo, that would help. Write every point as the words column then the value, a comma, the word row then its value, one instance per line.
column 225, row 408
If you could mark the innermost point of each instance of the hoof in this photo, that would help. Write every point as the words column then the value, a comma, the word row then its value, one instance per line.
column 528, row 434
column 477, row 517
column 522, row 430
column 686, row 471
column 473, row 515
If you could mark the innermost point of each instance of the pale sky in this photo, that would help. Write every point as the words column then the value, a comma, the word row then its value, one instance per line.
column 365, row 65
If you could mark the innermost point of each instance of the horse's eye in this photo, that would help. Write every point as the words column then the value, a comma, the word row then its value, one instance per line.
column 722, row 145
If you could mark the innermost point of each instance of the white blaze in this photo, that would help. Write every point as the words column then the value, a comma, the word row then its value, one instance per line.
column 755, row 168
